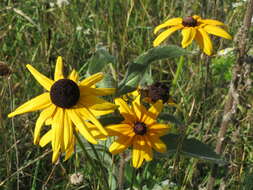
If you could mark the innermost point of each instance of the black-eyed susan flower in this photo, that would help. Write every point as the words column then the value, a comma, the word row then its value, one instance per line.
column 193, row 28
column 67, row 105
column 139, row 130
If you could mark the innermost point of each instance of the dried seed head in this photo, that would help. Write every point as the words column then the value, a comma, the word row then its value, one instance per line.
column 159, row 91
column 189, row 21
column 76, row 178
column 64, row 93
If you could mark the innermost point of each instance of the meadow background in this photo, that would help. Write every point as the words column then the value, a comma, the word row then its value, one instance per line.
column 36, row 32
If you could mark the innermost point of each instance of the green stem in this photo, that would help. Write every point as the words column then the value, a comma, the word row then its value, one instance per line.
column 178, row 72
column 100, row 165
column 89, row 159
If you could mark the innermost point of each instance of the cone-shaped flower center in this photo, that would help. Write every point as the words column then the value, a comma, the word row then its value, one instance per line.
column 189, row 21
column 159, row 91
column 140, row 128
column 64, row 93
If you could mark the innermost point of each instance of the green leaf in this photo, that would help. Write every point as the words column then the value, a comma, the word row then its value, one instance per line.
column 112, row 119
column 98, row 61
column 138, row 67
column 190, row 147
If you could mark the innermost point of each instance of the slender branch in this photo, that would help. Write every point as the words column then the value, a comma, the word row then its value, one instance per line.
column 232, row 101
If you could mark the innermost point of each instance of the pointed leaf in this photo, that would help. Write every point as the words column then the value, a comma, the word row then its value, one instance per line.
column 190, row 147
column 139, row 66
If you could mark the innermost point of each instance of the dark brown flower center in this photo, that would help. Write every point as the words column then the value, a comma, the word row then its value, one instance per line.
column 189, row 21
column 64, row 93
column 140, row 128
column 159, row 91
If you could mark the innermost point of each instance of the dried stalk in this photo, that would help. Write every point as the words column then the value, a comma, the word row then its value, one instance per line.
column 237, row 81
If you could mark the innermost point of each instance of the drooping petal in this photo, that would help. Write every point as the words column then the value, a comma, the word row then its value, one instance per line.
column 96, row 91
column 44, row 115
column 73, row 76
column 188, row 35
column 68, row 131
column 45, row 139
column 56, row 154
column 94, row 131
column 150, row 117
column 137, row 154
column 42, row 79
column 208, row 47
column 80, row 125
column 70, row 150
column 87, row 115
column 93, row 79
column 39, row 102
column 58, row 127
column 157, row 144
column 119, row 129
column 122, row 143
column 159, row 129
column 217, row 31
column 161, row 37
column 170, row 22
column 199, row 39
column 58, row 73
column 212, row 22
column 95, row 103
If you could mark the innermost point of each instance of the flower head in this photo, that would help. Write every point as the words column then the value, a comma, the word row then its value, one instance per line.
column 67, row 105
column 139, row 130
column 193, row 28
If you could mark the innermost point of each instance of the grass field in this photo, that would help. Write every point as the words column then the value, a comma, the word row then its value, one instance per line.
column 37, row 32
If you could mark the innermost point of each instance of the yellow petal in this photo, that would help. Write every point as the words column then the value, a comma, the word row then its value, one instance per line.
column 199, row 39
column 101, row 112
column 95, row 103
column 170, row 22
column 87, row 115
column 217, row 31
column 150, row 117
column 79, row 123
column 148, row 153
column 159, row 129
column 93, row 79
column 45, row 139
column 119, row 129
column 208, row 47
column 122, row 143
column 212, row 22
column 58, row 69
column 157, row 144
column 125, row 110
column 138, row 109
column 138, row 153
column 96, row 91
column 188, row 35
column 70, row 150
column 56, row 154
column 73, row 76
column 94, row 131
column 42, row 79
column 161, row 37
column 44, row 115
column 58, row 128
column 39, row 102
column 68, row 131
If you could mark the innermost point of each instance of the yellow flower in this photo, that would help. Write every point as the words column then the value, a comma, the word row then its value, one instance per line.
column 67, row 105
column 193, row 27
column 139, row 129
